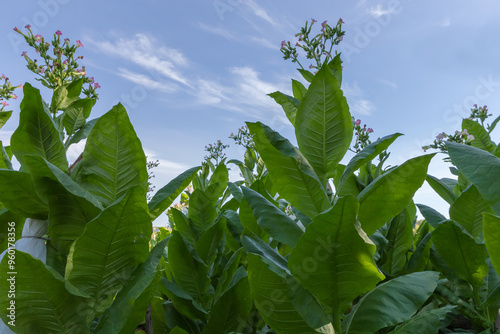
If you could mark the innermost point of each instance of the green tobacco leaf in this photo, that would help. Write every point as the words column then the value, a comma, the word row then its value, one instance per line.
column 129, row 306
column 461, row 252
column 231, row 307
column 493, row 287
column 229, row 270
column 431, row 216
column 391, row 303
column 81, row 134
column 270, row 218
column 323, row 124
column 4, row 117
column 289, row 104
column 421, row 254
column 42, row 302
column 11, row 227
column 482, row 138
column 210, row 241
column 306, row 74
column 426, row 322
column 37, row 134
column 491, row 229
column 367, row 154
column 391, row 192
column 275, row 302
column 468, row 211
column 350, row 184
column 184, row 303
column 442, row 189
column 400, row 237
column 76, row 114
column 71, row 207
column 218, row 183
column 335, row 275
column 336, row 67
column 184, row 226
column 110, row 248
column 5, row 162
column 298, row 89
column 166, row 195
column 113, row 160
column 190, row 272
column 292, row 175
column 65, row 95
column 201, row 211
column 18, row 194
column 481, row 168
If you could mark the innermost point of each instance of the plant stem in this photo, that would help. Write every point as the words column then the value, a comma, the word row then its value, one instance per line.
column 336, row 322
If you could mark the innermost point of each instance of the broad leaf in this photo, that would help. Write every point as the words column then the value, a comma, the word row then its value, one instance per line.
column 391, row 192
column 112, row 245
column 37, row 134
column 431, row 216
column 65, row 95
column 461, row 252
column 442, row 189
column 491, row 229
column 81, row 134
column 400, row 237
column 288, row 103
column 323, row 124
column 164, row 197
column 5, row 162
column 42, row 302
column 291, row 173
column 4, row 117
column 482, row 138
column 391, row 303
column 113, row 160
column 76, row 115
column 468, row 211
column 335, row 274
column 201, row 211
column 481, row 168
column 426, row 322
column 128, row 308
column 210, row 241
column 298, row 89
column 184, row 303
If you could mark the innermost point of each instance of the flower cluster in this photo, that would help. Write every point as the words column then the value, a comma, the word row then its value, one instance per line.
column 6, row 92
column 315, row 47
column 461, row 137
column 216, row 152
column 150, row 165
column 480, row 113
column 243, row 138
column 58, row 65
column 362, row 135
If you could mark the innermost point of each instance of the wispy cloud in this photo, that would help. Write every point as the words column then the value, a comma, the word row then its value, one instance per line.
column 217, row 31
column 389, row 83
column 378, row 11
column 445, row 23
column 260, row 12
column 145, row 52
column 265, row 42
column 357, row 103
column 147, row 81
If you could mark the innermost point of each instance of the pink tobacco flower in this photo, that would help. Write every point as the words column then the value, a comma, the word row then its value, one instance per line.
column 78, row 43
column 91, row 80
column 311, row 66
column 323, row 24
column 14, row 96
column 5, row 104
column 283, row 44
column 96, row 85
column 24, row 54
column 369, row 130
column 38, row 38
column 58, row 33
column 313, row 20
column 3, row 76
column 42, row 70
column 27, row 26
column 16, row 29
column 358, row 122
column 341, row 21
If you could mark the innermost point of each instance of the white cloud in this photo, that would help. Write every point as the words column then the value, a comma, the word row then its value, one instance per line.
column 391, row 84
column 147, row 81
column 378, row 11
column 217, row 31
column 260, row 12
column 265, row 42
column 159, row 61
column 361, row 107
column 358, row 105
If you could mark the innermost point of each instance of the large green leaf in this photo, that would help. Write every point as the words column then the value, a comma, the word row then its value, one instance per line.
column 210, row 241
column 188, row 269
column 129, row 306
column 111, row 246
column 482, row 138
column 113, row 160
column 323, row 124
column 291, row 173
column 270, row 218
column 298, row 89
column 37, row 134
column 442, row 188
column 431, row 216
column 76, row 114
column 391, row 303
column 18, row 194
column 70, row 206
column 4, row 117
column 201, row 210
column 218, row 183
column 167, row 194
column 289, row 104
column 367, row 154
column 42, row 302
column 334, row 257
column 481, row 168
column 81, row 134
column 426, row 322
column 491, row 229
column 5, row 162
column 184, row 303
column 391, row 192
column 231, row 307
column 65, row 95
column 400, row 237
column 461, row 252
column 468, row 211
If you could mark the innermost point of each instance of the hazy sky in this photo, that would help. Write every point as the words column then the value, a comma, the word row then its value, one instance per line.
column 191, row 72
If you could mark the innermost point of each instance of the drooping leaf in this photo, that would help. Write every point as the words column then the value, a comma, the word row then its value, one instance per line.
column 298, row 89
column 184, row 303
column 288, row 103
column 482, row 138
column 335, row 274
column 292, row 175
column 5, row 162
column 65, row 95
column 391, row 192
column 43, row 303
column 461, row 252
column 421, row 254
column 367, row 154
column 270, row 218
column 468, row 211
column 323, row 124
column 164, row 197
column 481, row 168
column 350, row 185
column 113, row 160
column 102, row 259
column 491, row 230
column 37, row 134
column 76, row 114
column 442, row 189
column 81, row 134
column 229, row 270
column 431, row 216
column 426, row 322
column 391, row 303
column 179, row 323
column 4, row 117
column 209, row 243
column 400, row 237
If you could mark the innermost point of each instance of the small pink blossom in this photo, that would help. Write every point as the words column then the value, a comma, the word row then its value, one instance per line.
column 369, row 130
column 16, row 29
column 66, row 40
column 20, row 86
column 313, row 20
column 283, row 43
column 27, row 26
column 5, row 104
column 358, row 122
column 24, row 54
column 38, row 38
column 297, row 44
column 96, row 85
column 92, row 80
column 3, row 76
column 341, row 21
column 323, row 24
column 14, row 96
column 65, row 62
column 311, row 66
column 78, row 43
column 58, row 33
column 42, row 70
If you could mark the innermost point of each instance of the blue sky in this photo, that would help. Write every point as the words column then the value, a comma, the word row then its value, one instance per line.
column 191, row 72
